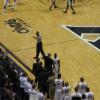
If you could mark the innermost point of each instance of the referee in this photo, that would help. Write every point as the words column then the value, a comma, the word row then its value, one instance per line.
column 39, row 46
column 70, row 4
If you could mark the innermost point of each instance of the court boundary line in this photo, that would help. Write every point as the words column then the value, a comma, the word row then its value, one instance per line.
column 20, row 61
column 64, row 26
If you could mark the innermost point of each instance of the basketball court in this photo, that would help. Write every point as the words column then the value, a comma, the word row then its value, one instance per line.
column 76, row 38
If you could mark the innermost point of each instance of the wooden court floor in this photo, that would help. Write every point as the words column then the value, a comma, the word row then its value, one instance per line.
column 77, row 57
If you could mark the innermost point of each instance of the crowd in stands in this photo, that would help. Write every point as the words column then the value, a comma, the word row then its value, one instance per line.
column 48, row 84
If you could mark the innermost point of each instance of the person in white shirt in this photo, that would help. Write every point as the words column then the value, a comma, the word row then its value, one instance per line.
column 58, row 85
column 33, row 94
column 27, row 86
column 82, row 86
column 65, row 90
column 67, row 97
column 23, row 79
column 56, row 65
column 89, row 95
column 40, row 95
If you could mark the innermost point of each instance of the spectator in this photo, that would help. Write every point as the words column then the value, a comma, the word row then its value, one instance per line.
column 76, row 95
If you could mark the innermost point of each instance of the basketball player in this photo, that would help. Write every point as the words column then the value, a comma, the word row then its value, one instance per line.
column 39, row 45
column 69, row 4
column 82, row 86
column 56, row 65
column 89, row 95
column 58, row 85
column 65, row 90
column 53, row 3
column 7, row 4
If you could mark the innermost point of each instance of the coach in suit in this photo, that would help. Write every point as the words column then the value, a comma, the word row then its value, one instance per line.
column 37, row 68
column 48, row 63
column 43, row 82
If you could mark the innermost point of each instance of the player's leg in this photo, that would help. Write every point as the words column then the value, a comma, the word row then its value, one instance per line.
column 66, row 7
column 54, row 2
column 51, row 4
column 71, row 6
column 14, row 4
column 6, row 3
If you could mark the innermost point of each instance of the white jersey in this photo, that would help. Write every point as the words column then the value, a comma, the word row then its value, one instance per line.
column 89, row 96
column 22, row 81
column 67, row 97
column 58, row 94
column 65, row 92
column 82, row 87
column 58, row 83
column 27, row 86
column 32, row 94
column 39, row 38
column 58, row 91
column 56, row 66
column 41, row 96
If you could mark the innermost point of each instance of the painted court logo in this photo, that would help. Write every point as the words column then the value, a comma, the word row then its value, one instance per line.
column 89, row 34
column 18, row 25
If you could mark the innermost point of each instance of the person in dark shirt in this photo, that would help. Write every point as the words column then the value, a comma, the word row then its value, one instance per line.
column 48, row 63
column 43, row 81
column 37, row 69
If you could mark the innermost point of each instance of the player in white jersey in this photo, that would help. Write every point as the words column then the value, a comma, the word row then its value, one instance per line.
column 89, row 95
column 58, row 84
column 27, row 85
column 41, row 95
column 33, row 95
column 56, row 65
column 67, row 97
column 82, row 86
column 7, row 4
column 65, row 90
